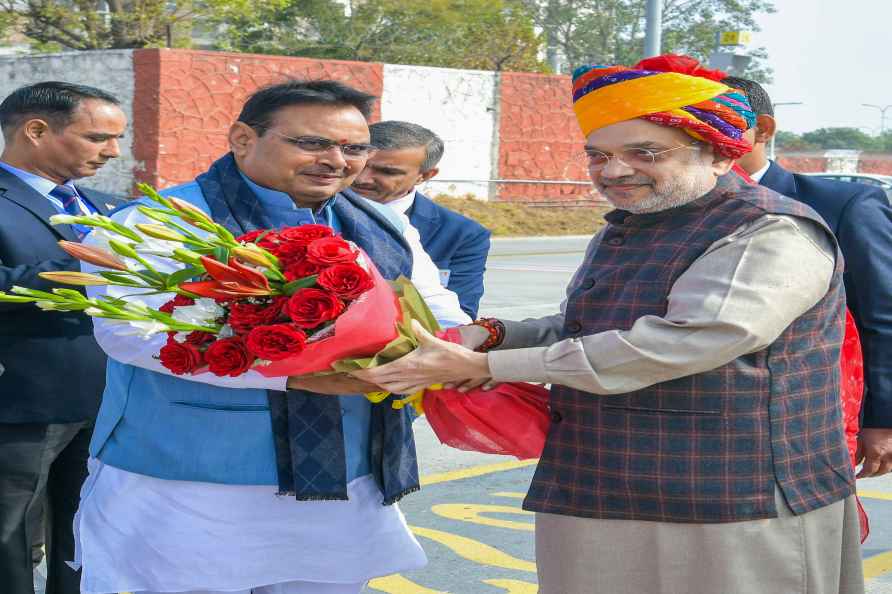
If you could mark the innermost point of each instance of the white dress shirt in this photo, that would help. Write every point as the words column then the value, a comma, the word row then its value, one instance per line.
column 758, row 175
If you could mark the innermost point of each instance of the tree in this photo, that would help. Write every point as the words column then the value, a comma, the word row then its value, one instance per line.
column 612, row 31
column 792, row 142
column 109, row 24
column 842, row 138
column 484, row 34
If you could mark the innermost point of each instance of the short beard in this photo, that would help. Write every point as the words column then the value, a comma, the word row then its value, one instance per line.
column 677, row 191
column 673, row 193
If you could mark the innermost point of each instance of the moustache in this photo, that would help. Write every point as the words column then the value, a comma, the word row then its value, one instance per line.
column 626, row 181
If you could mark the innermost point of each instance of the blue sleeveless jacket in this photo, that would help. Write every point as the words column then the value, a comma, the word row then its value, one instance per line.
column 151, row 423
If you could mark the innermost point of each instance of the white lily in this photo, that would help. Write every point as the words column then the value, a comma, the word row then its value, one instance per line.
column 204, row 312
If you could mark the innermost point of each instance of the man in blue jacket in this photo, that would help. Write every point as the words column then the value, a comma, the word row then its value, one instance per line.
column 53, row 374
column 861, row 219
column 408, row 155
column 182, row 492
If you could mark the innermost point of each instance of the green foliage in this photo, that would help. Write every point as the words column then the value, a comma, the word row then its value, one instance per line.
column 484, row 34
column 792, row 142
column 612, row 31
column 835, row 138
column 841, row 138
column 53, row 25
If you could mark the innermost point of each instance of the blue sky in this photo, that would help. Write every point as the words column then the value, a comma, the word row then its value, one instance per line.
column 833, row 55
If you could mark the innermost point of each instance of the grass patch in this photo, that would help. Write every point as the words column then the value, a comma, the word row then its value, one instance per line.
column 506, row 219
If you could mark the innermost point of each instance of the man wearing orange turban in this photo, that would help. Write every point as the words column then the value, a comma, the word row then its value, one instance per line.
column 696, row 441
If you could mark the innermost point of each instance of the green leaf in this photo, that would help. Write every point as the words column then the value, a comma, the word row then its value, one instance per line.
column 121, row 278
column 301, row 283
column 173, row 280
column 221, row 254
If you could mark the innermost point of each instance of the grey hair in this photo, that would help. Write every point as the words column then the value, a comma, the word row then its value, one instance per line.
column 395, row 135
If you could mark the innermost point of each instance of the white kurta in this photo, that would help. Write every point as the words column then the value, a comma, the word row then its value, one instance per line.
column 138, row 533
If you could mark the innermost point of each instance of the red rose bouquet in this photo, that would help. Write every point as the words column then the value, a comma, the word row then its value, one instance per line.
column 284, row 302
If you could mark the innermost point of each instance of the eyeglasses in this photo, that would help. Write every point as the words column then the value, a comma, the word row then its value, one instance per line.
column 632, row 157
column 316, row 145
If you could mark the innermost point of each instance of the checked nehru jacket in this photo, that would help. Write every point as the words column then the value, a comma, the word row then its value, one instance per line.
column 708, row 447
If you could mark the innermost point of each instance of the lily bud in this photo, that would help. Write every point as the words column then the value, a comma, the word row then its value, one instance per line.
column 189, row 211
column 250, row 256
column 154, row 213
column 123, row 249
column 73, row 278
column 160, row 232
column 187, row 256
column 93, row 255
column 60, row 219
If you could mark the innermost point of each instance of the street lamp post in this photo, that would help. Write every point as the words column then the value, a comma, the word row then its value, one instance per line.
column 654, row 30
column 882, row 109
column 775, row 106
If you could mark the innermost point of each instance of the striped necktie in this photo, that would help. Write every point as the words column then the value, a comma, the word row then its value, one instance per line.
column 68, row 196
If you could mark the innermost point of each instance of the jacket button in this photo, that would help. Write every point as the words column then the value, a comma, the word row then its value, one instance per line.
column 556, row 416
column 574, row 327
column 618, row 240
column 589, row 283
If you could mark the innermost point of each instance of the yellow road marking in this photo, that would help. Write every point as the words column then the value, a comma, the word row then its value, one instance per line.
column 454, row 475
column 471, row 512
column 875, row 495
column 397, row 584
column 514, row 586
column 877, row 565
column 511, row 494
column 475, row 551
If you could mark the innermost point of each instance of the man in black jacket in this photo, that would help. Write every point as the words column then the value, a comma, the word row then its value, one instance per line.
column 861, row 218
column 54, row 372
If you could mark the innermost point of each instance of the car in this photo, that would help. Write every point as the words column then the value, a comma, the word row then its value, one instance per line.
column 882, row 181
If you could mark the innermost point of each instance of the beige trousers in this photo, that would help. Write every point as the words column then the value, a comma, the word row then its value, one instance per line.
column 815, row 553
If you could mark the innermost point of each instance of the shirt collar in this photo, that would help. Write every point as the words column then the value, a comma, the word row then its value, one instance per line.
column 274, row 199
column 403, row 204
column 758, row 175
column 40, row 184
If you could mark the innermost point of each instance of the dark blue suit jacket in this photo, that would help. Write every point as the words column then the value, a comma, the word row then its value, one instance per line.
column 455, row 243
column 54, row 372
column 861, row 219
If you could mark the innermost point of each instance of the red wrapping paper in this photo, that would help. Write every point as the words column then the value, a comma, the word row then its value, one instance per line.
column 366, row 327
column 851, row 365
column 511, row 419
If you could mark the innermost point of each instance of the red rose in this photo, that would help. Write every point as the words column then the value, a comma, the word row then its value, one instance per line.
column 290, row 252
column 331, row 250
column 199, row 338
column 228, row 356
column 177, row 301
column 304, row 234
column 180, row 358
column 244, row 315
column 309, row 308
column 347, row 281
column 268, row 240
column 276, row 342
column 301, row 269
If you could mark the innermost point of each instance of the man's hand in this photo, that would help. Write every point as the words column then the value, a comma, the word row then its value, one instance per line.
column 875, row 450
column 472, row 335
column 336, row 384
column 435, row 361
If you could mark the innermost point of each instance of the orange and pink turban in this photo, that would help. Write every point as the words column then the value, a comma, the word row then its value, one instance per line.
column 668, row 90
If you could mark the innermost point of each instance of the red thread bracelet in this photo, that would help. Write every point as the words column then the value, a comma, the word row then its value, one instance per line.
column 496, row 331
